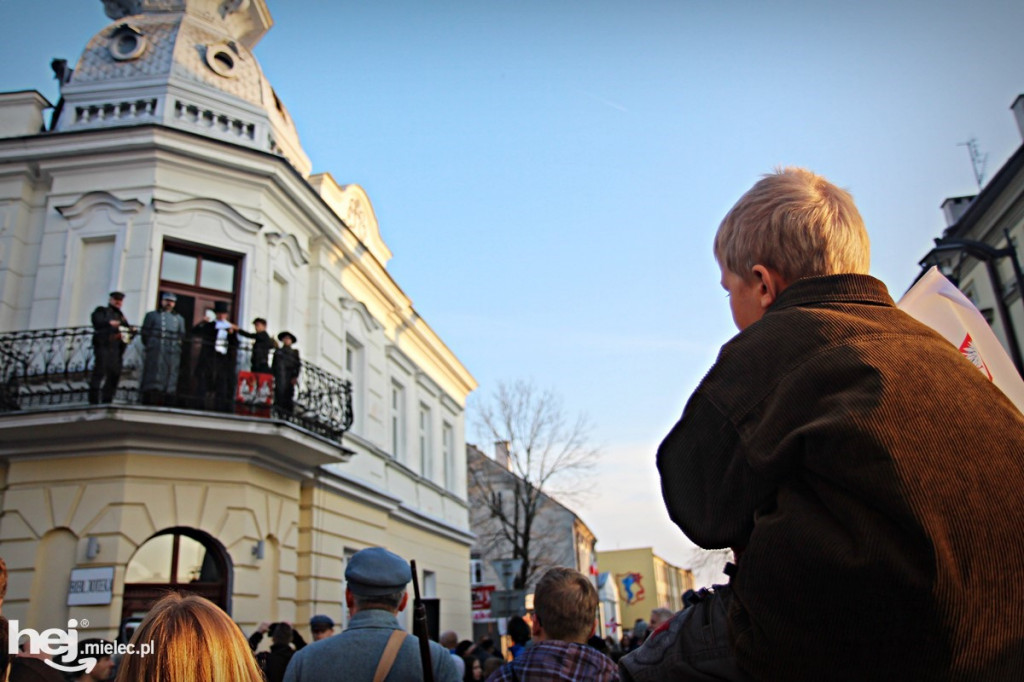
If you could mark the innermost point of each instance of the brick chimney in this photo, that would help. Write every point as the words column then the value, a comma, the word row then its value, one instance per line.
column 501, row 453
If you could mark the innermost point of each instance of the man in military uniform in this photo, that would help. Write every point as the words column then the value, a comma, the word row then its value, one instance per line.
column 375, row 594
column 162, row 332
column 107, row 349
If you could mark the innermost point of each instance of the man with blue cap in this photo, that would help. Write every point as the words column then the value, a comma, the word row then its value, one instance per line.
column 374, row 642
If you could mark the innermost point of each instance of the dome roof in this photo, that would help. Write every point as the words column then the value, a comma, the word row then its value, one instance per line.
column 185, row 64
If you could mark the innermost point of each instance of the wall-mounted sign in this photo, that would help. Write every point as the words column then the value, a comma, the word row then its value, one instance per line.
column 90, row 586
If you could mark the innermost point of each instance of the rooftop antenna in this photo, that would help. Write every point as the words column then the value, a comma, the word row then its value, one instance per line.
column 978, row 160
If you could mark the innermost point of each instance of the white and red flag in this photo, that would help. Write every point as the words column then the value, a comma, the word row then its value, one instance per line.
column 940, row 305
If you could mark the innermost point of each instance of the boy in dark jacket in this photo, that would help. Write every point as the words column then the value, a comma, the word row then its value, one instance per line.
column 866, row 474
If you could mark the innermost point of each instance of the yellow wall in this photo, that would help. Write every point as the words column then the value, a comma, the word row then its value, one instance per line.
column 663, row 584
column 53, row 504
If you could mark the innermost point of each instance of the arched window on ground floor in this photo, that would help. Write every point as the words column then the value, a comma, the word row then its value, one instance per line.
column 178, row 559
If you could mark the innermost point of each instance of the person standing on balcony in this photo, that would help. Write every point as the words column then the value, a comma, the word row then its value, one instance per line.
column 217, row 357
column 261, row 345
column 107, row 347
column 286, row 371
column 162, row 332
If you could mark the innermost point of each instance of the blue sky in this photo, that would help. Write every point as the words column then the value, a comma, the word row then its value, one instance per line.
column 550, row 173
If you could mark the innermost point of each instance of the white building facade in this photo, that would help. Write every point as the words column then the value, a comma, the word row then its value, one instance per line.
column 170, row 165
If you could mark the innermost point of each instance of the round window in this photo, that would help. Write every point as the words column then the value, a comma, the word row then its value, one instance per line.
column 221, row 59
column 127, row 43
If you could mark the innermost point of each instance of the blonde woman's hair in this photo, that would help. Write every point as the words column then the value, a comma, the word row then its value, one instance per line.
column 193, row 641
column 797, row 223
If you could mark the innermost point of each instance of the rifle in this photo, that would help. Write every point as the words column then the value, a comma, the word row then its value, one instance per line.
column 419, row 626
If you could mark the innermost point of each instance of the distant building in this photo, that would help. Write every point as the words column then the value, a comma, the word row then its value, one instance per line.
column 610, row 605
column 979, row 249
column 170, row 164
column 560, row 537
column 644, row 581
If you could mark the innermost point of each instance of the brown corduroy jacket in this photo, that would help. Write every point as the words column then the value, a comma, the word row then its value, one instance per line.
column 873, row 479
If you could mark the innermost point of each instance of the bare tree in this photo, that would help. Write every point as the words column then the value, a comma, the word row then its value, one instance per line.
column 546, row 453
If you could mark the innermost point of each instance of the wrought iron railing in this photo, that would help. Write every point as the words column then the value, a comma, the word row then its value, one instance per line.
column 54, row 367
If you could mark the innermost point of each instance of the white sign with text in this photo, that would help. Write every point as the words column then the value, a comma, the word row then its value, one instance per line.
column 90, row 586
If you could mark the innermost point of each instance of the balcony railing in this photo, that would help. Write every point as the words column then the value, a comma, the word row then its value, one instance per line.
column 54, row 367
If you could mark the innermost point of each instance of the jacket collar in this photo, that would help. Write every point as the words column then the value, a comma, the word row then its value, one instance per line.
column 833, row 289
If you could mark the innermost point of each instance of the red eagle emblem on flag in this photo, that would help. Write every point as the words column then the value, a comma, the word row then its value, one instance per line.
column 971, row 352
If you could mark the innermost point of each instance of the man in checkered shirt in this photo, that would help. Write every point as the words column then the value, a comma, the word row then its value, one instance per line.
column 565, row 611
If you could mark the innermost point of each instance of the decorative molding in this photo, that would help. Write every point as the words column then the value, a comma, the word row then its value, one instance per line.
column 92, row 201
column 290, row 242
column 118, row 9
column 427, row 384
column 449, row 403
column 6, row 211
column 206, row 205
column 232, row 6
column 367, row 493
column 203, row 117
column 350, row 305
column 395, row 355
column 115, row 112
column 432, row 524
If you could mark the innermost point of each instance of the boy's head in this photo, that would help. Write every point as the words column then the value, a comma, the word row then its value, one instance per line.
column 791, row 224
column 797, row 223
column 260, row 324
column 565, row 605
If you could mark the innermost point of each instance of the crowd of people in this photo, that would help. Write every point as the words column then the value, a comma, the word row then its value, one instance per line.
column 164, row 336
column 192, row 640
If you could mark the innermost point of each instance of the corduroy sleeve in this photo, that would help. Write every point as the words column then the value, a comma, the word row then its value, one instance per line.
column 709, row 488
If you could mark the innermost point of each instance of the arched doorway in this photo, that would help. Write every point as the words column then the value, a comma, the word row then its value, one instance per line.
column 178, row 560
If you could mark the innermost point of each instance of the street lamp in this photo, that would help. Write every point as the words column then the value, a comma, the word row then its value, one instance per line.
column 989, row 254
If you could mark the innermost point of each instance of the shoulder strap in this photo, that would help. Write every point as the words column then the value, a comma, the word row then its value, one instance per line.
column 387, row 659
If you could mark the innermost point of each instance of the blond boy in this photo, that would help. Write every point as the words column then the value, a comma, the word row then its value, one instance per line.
column 867, row 476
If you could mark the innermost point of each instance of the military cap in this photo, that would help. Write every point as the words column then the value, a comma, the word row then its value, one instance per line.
column 119, row 295
column 375, row 572
column 322, row 622
column 168, row 295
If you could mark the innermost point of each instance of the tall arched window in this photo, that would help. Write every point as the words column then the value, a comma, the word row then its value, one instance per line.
column 179, row 560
